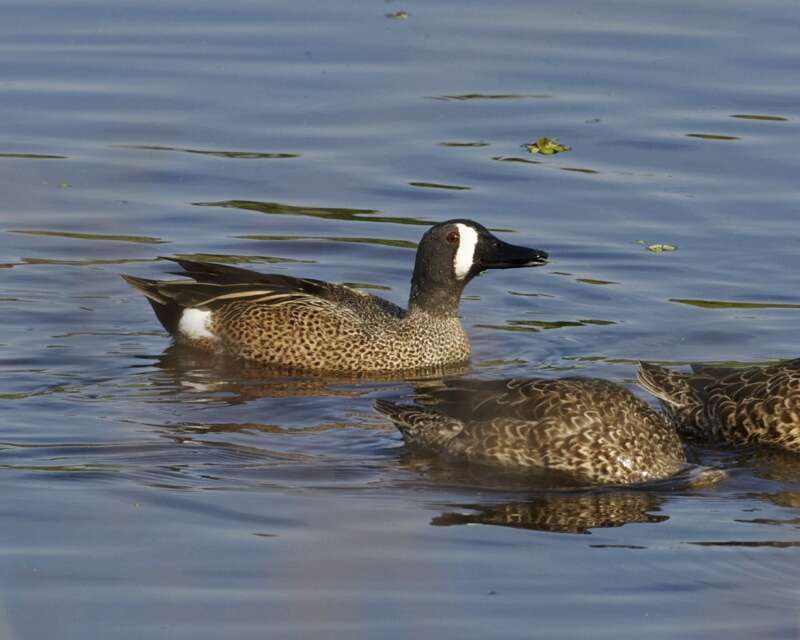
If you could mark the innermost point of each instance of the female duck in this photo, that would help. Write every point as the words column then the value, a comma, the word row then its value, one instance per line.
column 753, row 405
column 594, row 430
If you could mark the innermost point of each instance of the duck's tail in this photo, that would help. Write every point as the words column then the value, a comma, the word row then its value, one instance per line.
column 167, row 310
column 681, row 394
column 670, row 387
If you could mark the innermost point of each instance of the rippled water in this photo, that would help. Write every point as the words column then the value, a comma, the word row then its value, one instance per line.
column 150, row 493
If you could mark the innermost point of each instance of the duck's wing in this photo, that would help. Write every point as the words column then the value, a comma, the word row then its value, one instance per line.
column 214, row 285
column 218, row 283
column 757, row 404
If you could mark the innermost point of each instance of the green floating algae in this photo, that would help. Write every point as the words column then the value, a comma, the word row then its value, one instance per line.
column 732, row 304
column 661, row 248
column 546, row 146
column 658, row 247
column 90, row 236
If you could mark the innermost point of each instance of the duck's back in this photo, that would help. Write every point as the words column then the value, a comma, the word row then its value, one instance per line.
column 756, row 405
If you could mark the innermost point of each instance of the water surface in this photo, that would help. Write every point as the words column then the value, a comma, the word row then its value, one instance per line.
column 151, row 493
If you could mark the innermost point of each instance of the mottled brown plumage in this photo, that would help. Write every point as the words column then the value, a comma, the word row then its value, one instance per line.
column 596, row 430
column 312, row 325
column 751, row 405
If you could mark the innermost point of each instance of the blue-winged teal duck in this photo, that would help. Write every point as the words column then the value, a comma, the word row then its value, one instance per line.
column 313, row 325
column 753, row 405
column 594, row 430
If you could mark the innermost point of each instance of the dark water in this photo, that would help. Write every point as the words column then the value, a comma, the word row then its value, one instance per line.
column 148, row 494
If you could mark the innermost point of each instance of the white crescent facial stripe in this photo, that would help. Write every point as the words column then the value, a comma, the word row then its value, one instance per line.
column 465, row 256
column 194, row 324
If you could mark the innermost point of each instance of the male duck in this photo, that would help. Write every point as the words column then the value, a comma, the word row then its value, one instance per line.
column 594, row 430
column 313, row 325
column 753, row 405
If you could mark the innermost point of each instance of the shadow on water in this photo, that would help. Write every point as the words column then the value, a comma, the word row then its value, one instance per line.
column 231, row 381
column 239, row 259
column 325, row 213
column 237, row 155
column 492, row 96
column 386, row 242
column 543, row 325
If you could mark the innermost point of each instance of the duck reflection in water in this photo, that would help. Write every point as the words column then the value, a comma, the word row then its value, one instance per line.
column 563, row 512
column 234, row 381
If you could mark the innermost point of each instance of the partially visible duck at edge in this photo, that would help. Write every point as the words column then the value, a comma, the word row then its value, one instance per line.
column 751, row 405
column 596, row 431
column 311, row 325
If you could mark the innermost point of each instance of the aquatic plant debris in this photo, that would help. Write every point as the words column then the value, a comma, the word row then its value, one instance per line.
column 546, row 146
column 661, row 248
column 398, row 15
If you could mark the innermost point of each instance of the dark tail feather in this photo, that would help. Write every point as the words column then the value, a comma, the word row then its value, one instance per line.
column 668, row 386
column 166, row 310
column 682, row 396
column 213, row 273
column 148, row 287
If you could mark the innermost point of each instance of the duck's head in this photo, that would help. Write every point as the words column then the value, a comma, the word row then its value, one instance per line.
column 451, row 253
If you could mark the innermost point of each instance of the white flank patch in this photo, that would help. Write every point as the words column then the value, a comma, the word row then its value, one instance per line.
column 194, row 324
column 465, row 255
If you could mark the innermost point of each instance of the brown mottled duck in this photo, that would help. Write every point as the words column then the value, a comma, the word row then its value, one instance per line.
column 751, row 405
column 593, row 429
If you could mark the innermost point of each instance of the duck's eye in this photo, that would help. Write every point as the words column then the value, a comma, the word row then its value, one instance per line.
column 452, row 237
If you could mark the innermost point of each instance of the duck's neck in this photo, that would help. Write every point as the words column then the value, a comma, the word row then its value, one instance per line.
column 434, row 297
